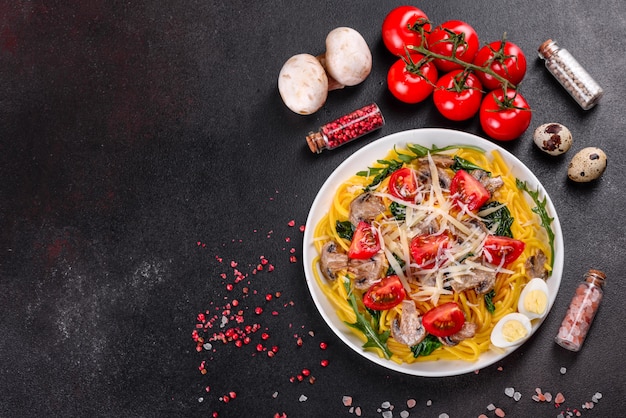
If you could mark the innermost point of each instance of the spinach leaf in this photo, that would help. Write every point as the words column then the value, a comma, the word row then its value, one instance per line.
column 489, row 301
column 374, row 339
column 345, row 229
column 463, row 164
column 398, row 210
column 500, row 219
column 427, row 346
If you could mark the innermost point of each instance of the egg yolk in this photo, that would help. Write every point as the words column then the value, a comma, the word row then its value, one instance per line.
column 513, row 330
column 536, row 302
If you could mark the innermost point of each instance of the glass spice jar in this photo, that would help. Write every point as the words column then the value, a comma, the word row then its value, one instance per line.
column 571, row 74
column 581, row 311
column 346, row 128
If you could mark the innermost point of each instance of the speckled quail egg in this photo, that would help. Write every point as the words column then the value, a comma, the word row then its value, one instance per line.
column 512, row 329
column 587, row 165
column 553, row 138
column 533, row 301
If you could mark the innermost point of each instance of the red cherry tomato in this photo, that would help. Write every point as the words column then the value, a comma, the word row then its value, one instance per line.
column 465, row 189
column 365, row 242
column 411, row 81
column 458, row 95
column 425, row 248
column 443, row 38
column 403, row 184
column 444, row 320
column 504, row 117
column 385, row 294
column 400, row 28
column 497, row 248
column 505, row 59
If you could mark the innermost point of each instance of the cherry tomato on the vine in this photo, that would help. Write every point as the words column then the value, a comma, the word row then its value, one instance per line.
column 458, row 95
column 401, row 28
column 504, row 117
column 385, row 294
column 410, row 80
column 445, row 37
column 505, row 59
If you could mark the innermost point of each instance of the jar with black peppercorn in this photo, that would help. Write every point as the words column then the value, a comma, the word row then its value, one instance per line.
column 581, row 311
column 571, row 74
column 346, row 128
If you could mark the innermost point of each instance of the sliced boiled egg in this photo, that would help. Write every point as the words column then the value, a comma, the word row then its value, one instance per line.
column 512, row 329
column 533, row 301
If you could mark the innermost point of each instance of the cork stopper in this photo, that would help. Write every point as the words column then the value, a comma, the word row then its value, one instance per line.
column 547, row 48
column 596, row 277
column 316, row 142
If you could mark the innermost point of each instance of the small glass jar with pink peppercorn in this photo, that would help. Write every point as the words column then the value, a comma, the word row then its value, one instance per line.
column 346, row 128
column 581, row 311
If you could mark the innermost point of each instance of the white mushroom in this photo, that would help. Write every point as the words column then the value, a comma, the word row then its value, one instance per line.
column 348, row 59
column 303, row 84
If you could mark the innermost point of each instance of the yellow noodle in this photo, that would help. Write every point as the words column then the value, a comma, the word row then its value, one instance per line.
column 526, row 228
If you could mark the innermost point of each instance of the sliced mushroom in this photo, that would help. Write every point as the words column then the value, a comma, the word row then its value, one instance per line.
column 491, row 183
column 366, row 207
column 482, row 281
column 332, row 261
column 535, row 265
column 467, row 331
column 367, row 272
column 408, row 330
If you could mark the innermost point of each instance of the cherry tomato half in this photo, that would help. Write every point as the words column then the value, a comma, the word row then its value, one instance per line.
column 504, row 118
column 365, row 242
column 403, row 184
column 505, row 59
column 465, row 189
column 425, row 248
column 497, row 248
column 458, row 95
column 400, row 30
column 444, row 320
column 412, row 82
column 443, row 38
column 385, row 294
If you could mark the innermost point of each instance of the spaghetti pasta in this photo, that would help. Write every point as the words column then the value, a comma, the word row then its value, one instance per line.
column 428, row 286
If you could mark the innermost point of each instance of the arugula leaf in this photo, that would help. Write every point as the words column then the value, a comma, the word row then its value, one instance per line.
column 374, row 318
column 426, row 346
column 501, row 219
column 345, row 229
column 374, row 339
column 381, row 172
column 489, row 301
column 463, row 164
column 540, row 209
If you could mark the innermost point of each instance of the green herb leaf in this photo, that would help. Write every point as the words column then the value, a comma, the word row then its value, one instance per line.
column 426, row 347
column 501, row 219
column 463, row 164
column 542, row 211
column 345, row 229
column 489, row 301
column 374, row 339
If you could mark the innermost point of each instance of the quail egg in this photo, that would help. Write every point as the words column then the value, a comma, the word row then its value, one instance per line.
column 553, row 138
column 512, row 329
column 533, row 301
column 587, row 165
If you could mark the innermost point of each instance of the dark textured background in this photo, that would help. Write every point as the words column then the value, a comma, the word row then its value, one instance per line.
column 144, row 146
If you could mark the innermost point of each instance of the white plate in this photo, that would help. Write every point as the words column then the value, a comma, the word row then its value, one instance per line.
column 364, row 158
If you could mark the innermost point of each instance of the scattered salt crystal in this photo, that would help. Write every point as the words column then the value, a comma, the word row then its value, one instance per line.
column 563, row 370
column 404, row 414
column 200, row 399
column 509, row 392
column 517, row 396
column 207, row 346
column 385, row 405
column 357, row 411
column 444, row 415
column 500, row 413
column 347, row 400
column 351, row 410
column 596, row 397
column 483, row 416
column 302, row 398
column 429, row 402
column 411, row 403
column 548, row 396
column 559, row 398
column 387, row 414
column 491, row 407
column 275, row 395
